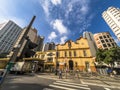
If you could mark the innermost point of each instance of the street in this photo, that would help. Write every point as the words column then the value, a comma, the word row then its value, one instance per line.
column 50, row 82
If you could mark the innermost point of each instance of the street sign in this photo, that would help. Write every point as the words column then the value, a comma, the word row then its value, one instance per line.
column 9, row 65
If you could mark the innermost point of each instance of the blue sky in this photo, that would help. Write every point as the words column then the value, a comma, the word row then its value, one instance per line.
column 59, row 20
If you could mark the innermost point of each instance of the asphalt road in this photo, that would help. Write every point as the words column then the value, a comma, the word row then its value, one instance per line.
column 29, row 82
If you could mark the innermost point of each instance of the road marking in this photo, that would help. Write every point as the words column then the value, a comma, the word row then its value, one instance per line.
column 72, row 83
column 65, row 88
column 101, row 85
column 47, row 89
column 73, row 86
column 107, row 89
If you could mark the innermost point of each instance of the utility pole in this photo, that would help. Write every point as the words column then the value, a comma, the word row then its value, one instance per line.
column 13, row 54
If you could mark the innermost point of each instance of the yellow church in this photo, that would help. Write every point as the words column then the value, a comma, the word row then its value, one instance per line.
column 75, row 55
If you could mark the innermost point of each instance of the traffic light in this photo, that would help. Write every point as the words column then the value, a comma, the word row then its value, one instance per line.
column 29, row 49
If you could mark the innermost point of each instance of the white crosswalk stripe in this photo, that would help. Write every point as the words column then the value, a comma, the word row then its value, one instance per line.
column 72, row 83
column 107, row 89
column 69, row 86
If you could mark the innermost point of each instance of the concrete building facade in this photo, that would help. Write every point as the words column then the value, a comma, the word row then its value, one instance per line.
column 9, row 33
column 104, row 40
column 49, row 46
column 39, row 42
column 112, row 18
column 91, row 42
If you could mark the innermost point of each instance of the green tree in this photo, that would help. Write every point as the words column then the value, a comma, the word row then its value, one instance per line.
column 100, row 56
column 108, row 56
column 112, row 55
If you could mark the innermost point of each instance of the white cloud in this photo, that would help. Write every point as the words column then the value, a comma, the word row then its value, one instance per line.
column 7, row 11
column 84, row 9
column 77, row 12
column 63, row 39
column 83, row 6
column 56, row 2
column 45, row 5
column 52, row 36
column 58, row 25
column 6, row 7
column 71, row 12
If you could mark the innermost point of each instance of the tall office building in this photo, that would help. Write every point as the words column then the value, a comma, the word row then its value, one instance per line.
column 39, row 42
column 112, row 18
column 49, row 46
column 9, row 33
column 104, row 40
column 91, row 42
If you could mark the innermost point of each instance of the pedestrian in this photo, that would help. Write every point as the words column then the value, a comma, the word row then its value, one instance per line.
column 109, row 71
column 60, row 74
column 66, row 71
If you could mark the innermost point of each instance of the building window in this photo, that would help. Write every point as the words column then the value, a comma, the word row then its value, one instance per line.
column 118, row 33
column 104, row 36
column 113, row 44
column 102, row 41
column 100, row 37
column 65, row 54
column 74, row 53
column 42, row 56
column 109, row 45
column 50, row 60
column 57, row 54
column 70, row 53
column 104, row 45
column 110, row 40
column 69, row 44
column 106, row 40
column 84, row 53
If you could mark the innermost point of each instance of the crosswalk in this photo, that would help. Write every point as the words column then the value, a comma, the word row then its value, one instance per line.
column 68, row 86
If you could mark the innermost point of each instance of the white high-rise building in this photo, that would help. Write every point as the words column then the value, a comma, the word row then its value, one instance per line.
column 112, row 18
column 9, row 33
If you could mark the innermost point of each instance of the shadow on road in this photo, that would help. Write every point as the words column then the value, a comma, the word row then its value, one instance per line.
column 23, row 86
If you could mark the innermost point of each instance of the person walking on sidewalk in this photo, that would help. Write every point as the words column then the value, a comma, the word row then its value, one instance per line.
column 60, row 74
